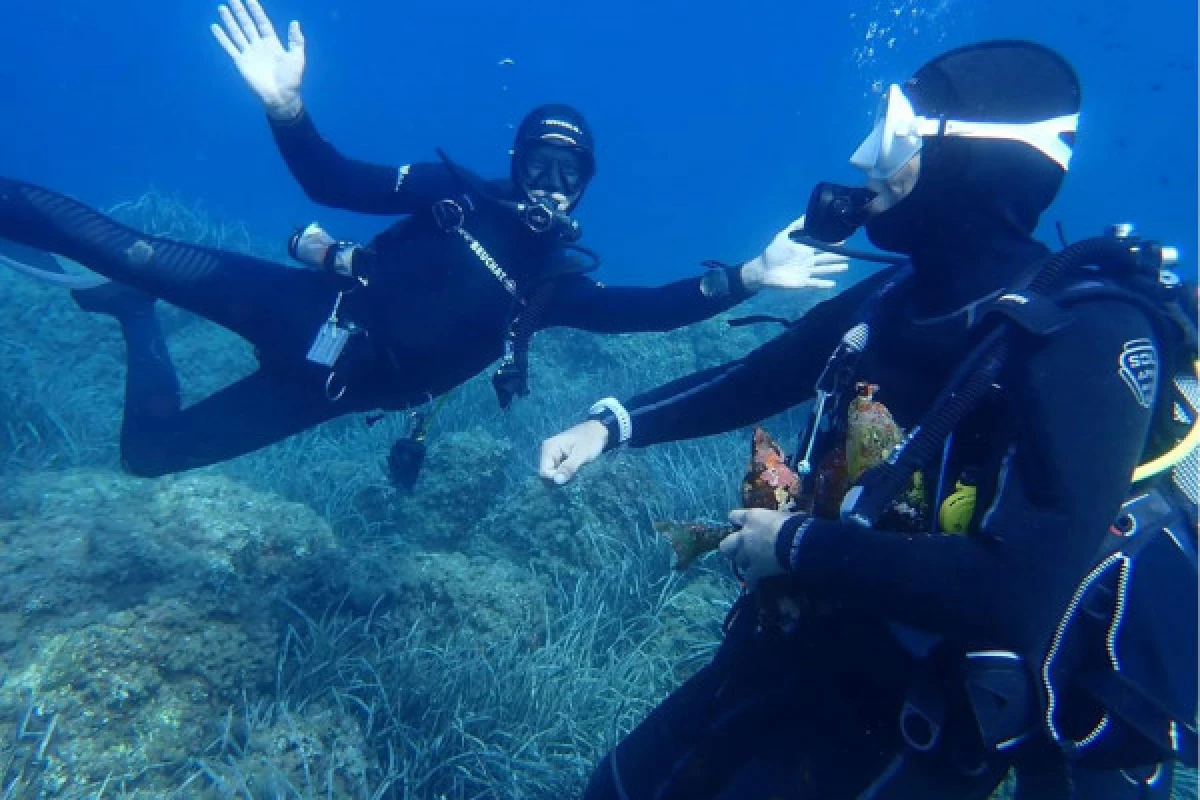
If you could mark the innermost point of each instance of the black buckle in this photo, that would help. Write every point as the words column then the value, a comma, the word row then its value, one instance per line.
column 1002, row 697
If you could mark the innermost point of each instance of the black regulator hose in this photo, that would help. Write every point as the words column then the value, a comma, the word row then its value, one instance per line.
column 799, row 237
column 1110, row 253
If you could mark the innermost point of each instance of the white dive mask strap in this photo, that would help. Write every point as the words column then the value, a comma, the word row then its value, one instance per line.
column 898, row 134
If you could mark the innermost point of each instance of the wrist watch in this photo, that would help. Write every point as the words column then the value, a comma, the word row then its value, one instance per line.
column 715, row 282
column 339, row 258
column 612, row 415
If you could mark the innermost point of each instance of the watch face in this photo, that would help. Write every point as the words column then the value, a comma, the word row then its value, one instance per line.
column 344, row 260
column 715, row 283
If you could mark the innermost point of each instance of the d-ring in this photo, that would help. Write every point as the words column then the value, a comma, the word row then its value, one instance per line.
column 329, row 393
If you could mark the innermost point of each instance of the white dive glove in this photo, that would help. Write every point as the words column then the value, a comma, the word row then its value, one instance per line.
column 790, row 265
column 271, row 72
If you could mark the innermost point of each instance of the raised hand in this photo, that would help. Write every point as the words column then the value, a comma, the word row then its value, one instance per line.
column 786, row 264
column 272, row 72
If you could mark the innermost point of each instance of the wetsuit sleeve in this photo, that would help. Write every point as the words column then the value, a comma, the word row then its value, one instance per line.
column 583, row 303
column 771, row 379
column 1085, row 412
column 332, row 179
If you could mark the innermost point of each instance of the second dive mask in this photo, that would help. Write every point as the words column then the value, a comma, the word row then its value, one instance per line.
column 899, row 131
column 835, row 212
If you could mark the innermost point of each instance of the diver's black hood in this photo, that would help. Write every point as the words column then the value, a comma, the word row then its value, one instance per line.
column 558, row 124
column 977, row 201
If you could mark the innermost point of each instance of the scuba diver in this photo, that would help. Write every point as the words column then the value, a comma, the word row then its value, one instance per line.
column 465, row 279
column 1002, row 586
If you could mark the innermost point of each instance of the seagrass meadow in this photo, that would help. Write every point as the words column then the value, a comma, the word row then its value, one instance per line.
column 289, row 625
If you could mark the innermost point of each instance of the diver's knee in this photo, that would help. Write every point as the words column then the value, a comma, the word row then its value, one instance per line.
column 605, row 783
column 141, row 461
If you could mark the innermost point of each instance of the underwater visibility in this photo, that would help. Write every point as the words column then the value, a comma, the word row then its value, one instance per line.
column 609, row 401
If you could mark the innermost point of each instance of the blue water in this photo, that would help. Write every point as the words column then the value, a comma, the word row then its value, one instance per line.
column 713, row 119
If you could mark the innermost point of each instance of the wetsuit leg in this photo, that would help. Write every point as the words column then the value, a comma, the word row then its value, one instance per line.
column 158, row 438
column 640, row 765
column 644, row 763
column 774, row 748
column 769, row 720
column 275, row 307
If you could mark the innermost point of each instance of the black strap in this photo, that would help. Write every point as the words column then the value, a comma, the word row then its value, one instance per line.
column 1126, row 700
column 1036, row 314
column 511, row 379
column 758, row 319
column 879, row 487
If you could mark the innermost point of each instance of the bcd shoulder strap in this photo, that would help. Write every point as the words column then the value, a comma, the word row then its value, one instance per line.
column 1034, row 306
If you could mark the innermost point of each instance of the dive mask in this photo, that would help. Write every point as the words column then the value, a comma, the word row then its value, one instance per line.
column 549, row 169
column 898, row 133
column 553, row 177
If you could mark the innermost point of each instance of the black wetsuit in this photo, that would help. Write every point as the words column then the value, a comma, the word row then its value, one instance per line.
column 434, row 315
column 813, row 713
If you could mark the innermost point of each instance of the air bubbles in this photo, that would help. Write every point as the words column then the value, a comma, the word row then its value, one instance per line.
column 887, row 26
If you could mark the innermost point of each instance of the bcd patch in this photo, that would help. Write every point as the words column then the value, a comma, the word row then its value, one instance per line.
column 1139, row 370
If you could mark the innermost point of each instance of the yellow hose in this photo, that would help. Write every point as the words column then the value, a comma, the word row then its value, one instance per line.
column 423, row 426
column 1176, row 454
